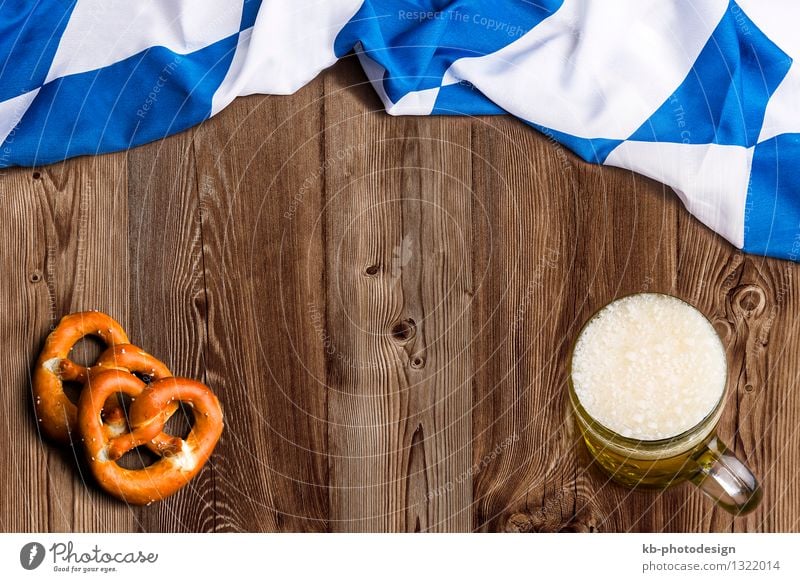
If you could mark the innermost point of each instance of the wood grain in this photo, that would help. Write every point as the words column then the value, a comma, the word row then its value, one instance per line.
column 263, row 265
column 61, row 254
column 398, row 220
column 385, row 307
column 168, row 294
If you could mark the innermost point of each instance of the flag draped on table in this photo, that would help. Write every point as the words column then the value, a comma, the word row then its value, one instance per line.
column 699, row 94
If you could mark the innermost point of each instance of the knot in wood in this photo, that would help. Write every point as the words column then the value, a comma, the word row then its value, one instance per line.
column 404, row 330
column 750, row 299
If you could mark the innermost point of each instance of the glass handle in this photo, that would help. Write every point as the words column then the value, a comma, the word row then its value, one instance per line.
column 726, row 479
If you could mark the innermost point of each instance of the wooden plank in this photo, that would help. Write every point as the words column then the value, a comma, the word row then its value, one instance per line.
column 260, row 199
column 26, row 301
column 527, row 299
column 768, row 402
column 708, row 268
column 68, row 224
column 681, row 508
column 167, row 296
column 754, row 310
column 566, row 239
column 398, row 222
column 640, row 255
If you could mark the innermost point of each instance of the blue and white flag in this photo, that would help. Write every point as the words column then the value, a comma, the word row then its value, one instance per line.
column 699, row 94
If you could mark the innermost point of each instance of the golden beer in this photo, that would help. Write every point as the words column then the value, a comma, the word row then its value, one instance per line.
column 647, row 384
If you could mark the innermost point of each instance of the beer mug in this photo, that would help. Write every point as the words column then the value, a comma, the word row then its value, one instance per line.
column 647, row 385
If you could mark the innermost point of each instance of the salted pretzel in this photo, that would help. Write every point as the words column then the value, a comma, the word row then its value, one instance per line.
column 54, row 411
column 134, row 360
column 151, row 406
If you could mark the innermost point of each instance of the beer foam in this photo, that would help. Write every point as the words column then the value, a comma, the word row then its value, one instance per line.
column 649, row 367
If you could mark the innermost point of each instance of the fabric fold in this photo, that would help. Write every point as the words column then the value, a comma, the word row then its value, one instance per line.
column 697, row 95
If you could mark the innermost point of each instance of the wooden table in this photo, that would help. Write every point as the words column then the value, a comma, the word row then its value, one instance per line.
column 384, row 306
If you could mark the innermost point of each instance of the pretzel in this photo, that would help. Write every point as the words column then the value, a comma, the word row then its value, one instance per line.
column 149, row 411
column 134, row 360
column 54, row 411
